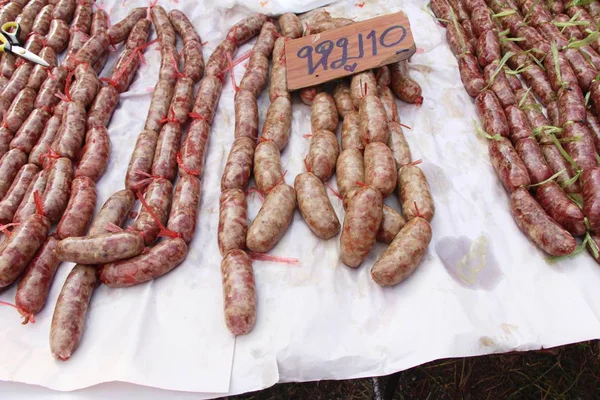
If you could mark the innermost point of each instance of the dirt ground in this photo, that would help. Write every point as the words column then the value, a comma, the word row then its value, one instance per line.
column 569, row 372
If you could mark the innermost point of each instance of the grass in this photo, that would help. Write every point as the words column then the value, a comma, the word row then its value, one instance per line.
column 569, row 372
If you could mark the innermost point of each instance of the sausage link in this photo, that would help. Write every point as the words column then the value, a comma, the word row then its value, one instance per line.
column 158, row 261
column 158, row 198
column 391, row 223
column 362, row 84
column 35, row 44
column 91, row 51
column 181, row 103
column 398, row 145
column 272, row 220
column 567, row 75
column 57, row 190
column 403, row 86
column 500, row 85
column 64, row 10
column 72, row 131
column 159, row 106
column 119, row 31
column 10, row 164
column 39, row 72
column 508, row 165
column 165, row 153
column 18, row 249
column 139, row 34
column 584, row 71
column 267, row 166
column 414, row 193
column 80, row 209
column 278, row 123
column 27, row 206
column 86, row 85
column 164, row 28
column 307, row 95
column 315, row 207
column 323, row 114
column 291, row 26
column 34, row 286
column 169, row 69
column 183, row 26
column 278, row 82
column 326, row 25
column 239, row 165
column 350, row 170
column 580, row 145
column 322, row 154
column 41, row 23
column 442, row 10
column 561, row 208
column 590, row 180
column 20, row 109
column 491, row 114
column 257, row 72
column 71, row 309
column 16, row 192
column 458, row 40
column 58, row 35
column 82, row 17
column 6, row 137
column 246, row 29
column 194, row 148
column 343, row 99
column 513, row 82
column 9, row 12
column 45, row 141
column 217, row 62
column 538, row 226
column 361, row 224
column 553, row 113
column 351, row 133
column 7, row 66
column 571, row 105
column 531, row 154
column 184, row 210
column 46, row 96
column 207, row 98
column 488, row 48
column 404, row 254
column 470, row 75
column 239, row 292
column 383, row 76
column 536, row 78
column 100, row 22
column 100, row 249
column 558, row 163
column 94, row 155
column 103, row 107
column 233, row 220
column 115, row 211
column 26, row 18
column 389, row 103
column 594, row 127
column 246, row 115
column 30, row 131
column 380, row 168
column 373, row 120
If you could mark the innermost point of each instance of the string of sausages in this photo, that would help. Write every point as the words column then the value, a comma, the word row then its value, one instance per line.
column 554, row 160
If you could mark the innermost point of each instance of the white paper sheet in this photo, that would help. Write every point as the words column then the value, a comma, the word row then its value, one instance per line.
column 482, row 288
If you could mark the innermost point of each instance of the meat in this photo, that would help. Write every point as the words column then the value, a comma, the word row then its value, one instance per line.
column 154, row 213
column 403, row 86
column 239, row 165
column 531, row 154
column 343, row 99
column 380, row 168
column 100, row 249
column 350, row 170
column 72, row 131
column 80, row 209
column 119, row 31
column 491, row 114
column 38, row 152
column 315, row 207
column 30, row 131
column 291, row 26
column 141, row 159
column 20, row 109
column 114, row 211
column 239, row 292
column 351, row 132
column 184, row 209
column 322, row 154
column 16, row 192
column 27, row 206
column 391, row 223
column 233, row 221
column 94, row 155
column 278, row 123
column 414, row 193
column 398, row 144
column 103, row 107
column 246, row 115
column 373, row 120
column 165, row 153
column 590, row 180
column 10, row 164
column 181, row 103
column 362, row 84
column 267, row 166
column 561, row 208
column 57, row 190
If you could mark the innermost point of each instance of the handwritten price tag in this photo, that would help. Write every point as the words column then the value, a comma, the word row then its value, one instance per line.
column 319, row 58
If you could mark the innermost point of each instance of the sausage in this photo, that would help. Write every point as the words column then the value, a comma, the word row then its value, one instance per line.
column 114, row 211
column 9, row 12
column 267, row 166
column 217, row 62
column 20, row 109
column 514, row 82
column 491, row 114
column 158, row 261
column 531, row 154
column 16, row 192
column 26, row 18
column 82, row 17
column 581, row 146
column 165, row 153
column 508, row 165
column 590, row 180
column 159, row 105
column 207, row 98
column 27, row 206
column 351, row 133
column 442, row 10
column 533, row 41
column 361, row 224
column 18, row 249
column 45, row 141
column 594, row 127
column 538, row 226
column 324, row 114
column 257, row 72
column 100, row 22
column 500, row 85
column 30, row 131
column 414, row 193
column 164, row 29
column 584, row 71
column 362, row 84
column 71, row 309
column 40, row 73
column 272, row 220
column 125, row 69
column 553, row 113
column 46, row 96
column 308, row 94
column 567, row 75
column 72, row 131
column 470, row 75
column 403, row 86
column 315, row 207
column 595, row 94
column 246, row 114
column 63, row 9
column 380, row 168
column 35, row 44
column 100, row 249
column 76, row 42
column 6, row 137
column 246, row 29
column 169, row 69
column 398, row 145
column 488, row 48
column 389, row 103
column 373, row 120
column 233, row 220
column 322, row 154
column 350, row 170
column 7, row 67
column 41, row 23
column 239, row 164
column 158, row 198
column 278, row 82
column 80, row 209
column 119, row 31
column 404, row 254
column 343, row 99
column 536, row 78
column 571, row 105
column 326, row 25
column 291, row 26
column 181, row 103
column 86, row 85
column 91, row 51
column 139, row 34
column 391, row 223
column 184, row 210
column 558, row 163
column 58, row 35
column 194, row 148
column 561, row 208
column 458, row 41
column 183, row 26
column 34, row 286
column 383, row 76
column 94, row 155
column 278, row 123
column 10, row 164
column 239, row 292
column 103, row 107
column 57, row 190
column 459, row 9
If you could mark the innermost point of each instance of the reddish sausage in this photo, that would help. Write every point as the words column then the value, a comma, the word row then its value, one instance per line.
column 158, row 261
column 389, row 103
column 233, row 221
column 80, row 209
column 86, row 85
column 47, row 94
column 41, row 23
column 326, row 25
column 290, row 25
column 141, row 159
column 56, row 193
column 488, row 48
column 246, row 29
column 351, row 134
column 531, row 154
column 558, row 163
column 239, row 165
column 278, row 123
column 119, row 31
column 267, row 166
column 165, row 153
column 5, row 138
column 139, row 34
column 72, row 131
column 323, row 113
column 239, row 292
column 26, row 18
column 315, row 207
column 383, row 76
column 499, row 85
column 218, row 60
column 470, row 75
column 91, row 51
column 184, row 210
column 594, row 127
column 100, row 249
column 58, row 35
column 257, row 72
column 40, row 73
column 164, row 29
column 308, row 94
column 183, row 26
column 94, row 155
column 246, row 115
column 414, row 193
column 391, row 224
column 491, row 114
column 278, row 82
column 20, row 109
column 567, row 75
column 373, row 120
column 82, row 17
column 64, row 9
column 10, row 164
column 537, row 79
column 380, row 168
column 561, row 208
column 403, row 86
column 580, row 146
column 169, row 69
column 16, row 192
column 45, row 141
column 114, row 211
column 27, row 206
column 103, row 107
column 590, row 180
column 158, row 199
column 181, row 103
column 508, row 165
column 100, row 22
column 398, row 145
column 30, row 131
column 322, row 154
column 343, row 99
column 194, row 148
column 207, row 98
column 362, row 84
column 350, row 170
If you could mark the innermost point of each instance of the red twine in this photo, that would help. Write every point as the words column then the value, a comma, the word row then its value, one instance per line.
column 164, row 232
column 417, row 162
column 258, row 193
column 27, row 317
column 279, row 182
column 405, row 126
column 170, row 117
column 144, row 182
column 187, row 170
column 194, row 115
column 268, row 257
column 110, row 227
column 4, row 228
column 335, row 192
column 230, row 63
column 307, row 135
column 39, row 202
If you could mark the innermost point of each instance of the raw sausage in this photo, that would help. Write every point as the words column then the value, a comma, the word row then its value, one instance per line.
column 46, row 96
column 414, row 193
column 488, row 48
column 531, row 154
column 315, row 207
column 491, row 114
column 398, row 145
column 362, row 84
column 389, row 103
column 10, row 164
column 233, row 221
column 36, row 156
column 239, row 292
column 290, row 25
column 561, row 208
column 100, row 249
column 114, row 211
column 267, row 166
column 158, row 199
column 181, row 103
column 246, row 115
column 165, row 153
column 58, row 35
column 72, row 131
column 558, row 163
column 30, row 131
column 278, row 82
column 351, row 134
column 57, row 190
column 41, row 23
column 246, row 29
column 350, row 170
column 20, row 109
column 391, row 223
column 141, row 159
column 580, row 145
column 207, row 98
column 194, row 148
column 94, row 155
column 373, row 120
column 16, row 192
column 323, row 113
column 40, row 73
column 183, row 26
column 403, row 86
column 103, row 107
column 119, row 31
column 278, row 123
column 518, row 125
column 184, row 210
column 380, row 168
column 139, row 34
column 80, row 209
column 322, row 154
column 27, row 206
column 470, row 75
column 63, row 9
column 499, row 85
column 164, row 29
column 590, row 180
column 508, row 165
column 343, row 99
column 239, row 164
column 91, row 51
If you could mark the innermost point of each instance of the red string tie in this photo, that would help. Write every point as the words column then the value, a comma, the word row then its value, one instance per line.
column 187, row 170
column 164, row 232
column 27, row 317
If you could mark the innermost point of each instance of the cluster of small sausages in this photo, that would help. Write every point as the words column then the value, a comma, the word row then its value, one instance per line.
column 547, row 162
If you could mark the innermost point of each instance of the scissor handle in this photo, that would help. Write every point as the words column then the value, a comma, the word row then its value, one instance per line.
column 11, row 31
column 4, row 44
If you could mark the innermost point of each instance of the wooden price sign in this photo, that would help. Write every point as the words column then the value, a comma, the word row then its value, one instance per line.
column 321, row 57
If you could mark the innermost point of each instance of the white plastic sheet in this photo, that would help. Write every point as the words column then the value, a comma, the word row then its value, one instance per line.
column 482, row 287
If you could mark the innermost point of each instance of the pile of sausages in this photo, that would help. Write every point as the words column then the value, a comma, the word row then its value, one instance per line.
column 547, row 162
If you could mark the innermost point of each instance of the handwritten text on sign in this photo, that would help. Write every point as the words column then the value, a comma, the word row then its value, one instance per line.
column 318, row 58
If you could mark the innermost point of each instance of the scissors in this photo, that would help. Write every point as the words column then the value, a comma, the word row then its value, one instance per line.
column 10, row 43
